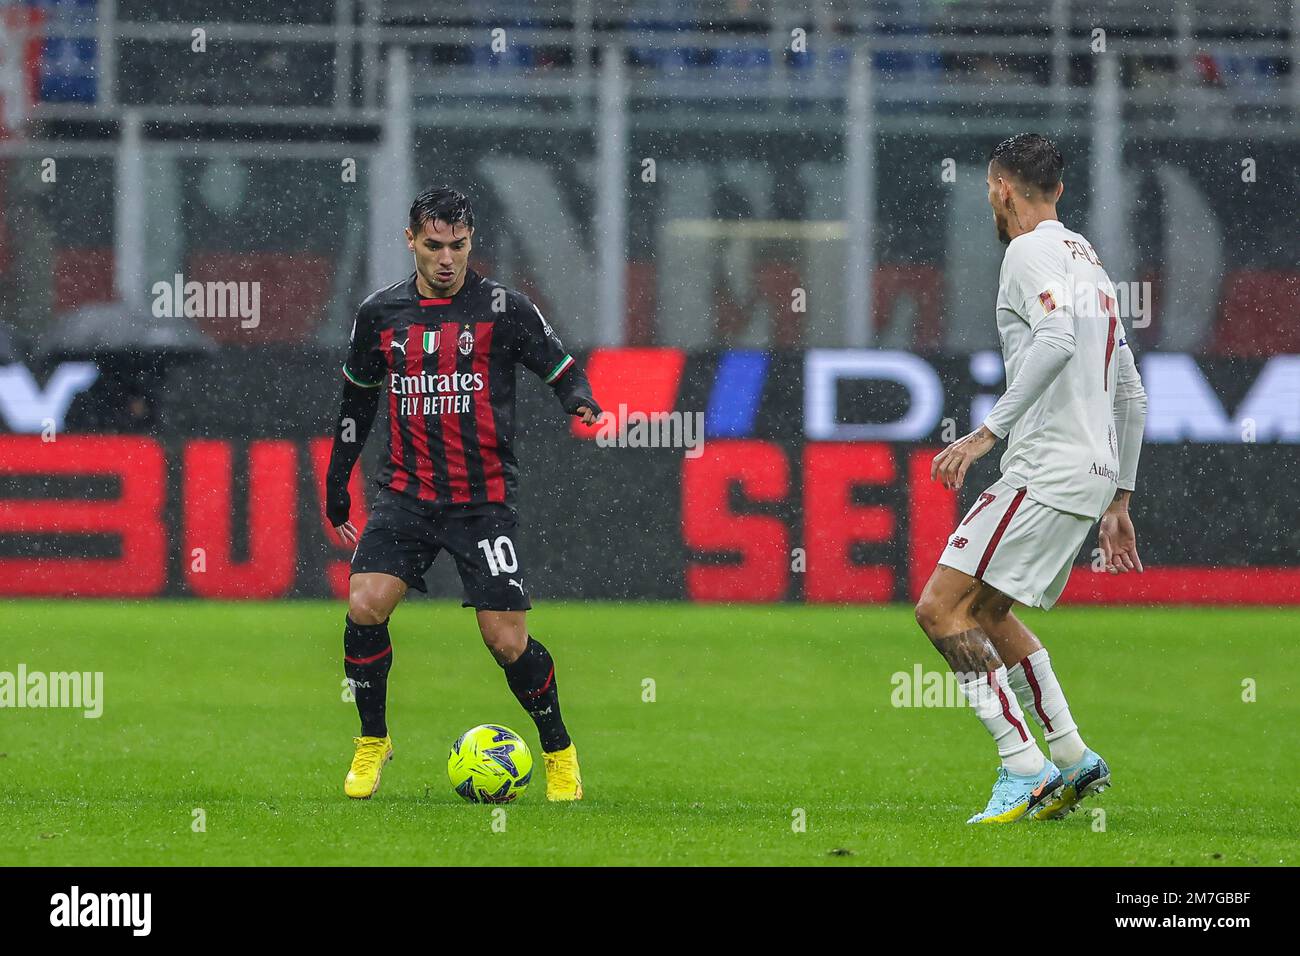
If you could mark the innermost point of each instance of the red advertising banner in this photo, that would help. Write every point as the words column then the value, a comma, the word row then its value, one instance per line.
column 737, row 476
column 759, row 521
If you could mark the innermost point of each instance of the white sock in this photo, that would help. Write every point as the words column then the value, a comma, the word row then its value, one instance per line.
column 1040, row 692
column 998, row 710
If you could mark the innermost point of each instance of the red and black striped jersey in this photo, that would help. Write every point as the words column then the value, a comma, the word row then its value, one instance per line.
column 449, row 368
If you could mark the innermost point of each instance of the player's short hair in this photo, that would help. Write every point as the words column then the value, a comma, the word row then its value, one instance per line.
column 441, row 203
column 1031, row 158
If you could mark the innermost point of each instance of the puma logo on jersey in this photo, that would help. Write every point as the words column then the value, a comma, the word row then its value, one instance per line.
column 518, row 584
column 400, row 345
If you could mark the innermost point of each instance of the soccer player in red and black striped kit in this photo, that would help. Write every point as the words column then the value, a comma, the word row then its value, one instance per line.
column 444, row 342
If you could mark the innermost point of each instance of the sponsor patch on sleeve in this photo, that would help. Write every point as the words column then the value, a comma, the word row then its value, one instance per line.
column 1039, row 305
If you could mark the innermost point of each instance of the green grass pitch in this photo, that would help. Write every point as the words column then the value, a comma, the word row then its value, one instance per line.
column 237, row 709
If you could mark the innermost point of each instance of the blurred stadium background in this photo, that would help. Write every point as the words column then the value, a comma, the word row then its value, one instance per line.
column 661, row 177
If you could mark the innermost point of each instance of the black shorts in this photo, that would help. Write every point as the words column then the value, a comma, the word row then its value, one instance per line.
column 402, row 541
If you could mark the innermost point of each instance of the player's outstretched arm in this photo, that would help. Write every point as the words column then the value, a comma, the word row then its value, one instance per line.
column 1048, row 354
column 574, row 392
column 542, row 352
column 356, row 414
column 1035, row 288
column 1117, row 537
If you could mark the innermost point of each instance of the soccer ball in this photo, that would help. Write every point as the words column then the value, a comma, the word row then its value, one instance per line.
column 489, row 764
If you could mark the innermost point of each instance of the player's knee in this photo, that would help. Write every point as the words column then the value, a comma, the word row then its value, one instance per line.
column 372, row 597
column 368, row 605
column 502, row 647
column 505, row 645
column 504, row 639
column 930, row 614
column 365, row 612
column 941, row 615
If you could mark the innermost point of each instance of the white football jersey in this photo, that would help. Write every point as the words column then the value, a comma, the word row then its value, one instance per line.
column 1064, row 448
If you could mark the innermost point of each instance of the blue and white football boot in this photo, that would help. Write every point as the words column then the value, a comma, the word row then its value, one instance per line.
column 1090, row 775
column 1015, row 797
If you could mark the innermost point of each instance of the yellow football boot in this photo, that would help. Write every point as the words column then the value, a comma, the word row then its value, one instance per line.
column 563, row 778
column 367, row 763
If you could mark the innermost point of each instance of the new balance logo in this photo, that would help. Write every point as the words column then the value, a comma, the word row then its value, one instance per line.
column 959, row 542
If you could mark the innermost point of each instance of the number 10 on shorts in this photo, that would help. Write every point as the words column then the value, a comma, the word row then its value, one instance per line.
column 500, row 555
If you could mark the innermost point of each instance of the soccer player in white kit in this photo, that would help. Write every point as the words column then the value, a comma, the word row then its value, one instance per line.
column 1073, row 416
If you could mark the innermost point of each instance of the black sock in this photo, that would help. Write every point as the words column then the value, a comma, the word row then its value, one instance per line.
column 532, row 680
column 367, row 656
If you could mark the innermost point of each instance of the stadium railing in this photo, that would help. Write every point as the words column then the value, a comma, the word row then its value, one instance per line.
column 930, row 58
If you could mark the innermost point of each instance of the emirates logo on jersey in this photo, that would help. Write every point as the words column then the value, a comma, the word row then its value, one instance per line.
column 466, row 342
column 426, row 383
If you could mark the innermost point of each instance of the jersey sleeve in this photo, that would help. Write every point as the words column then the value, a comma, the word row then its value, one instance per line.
column 1130, row 412
column 364, row 365
column 1036, row 283
column 1051, row 349
column 539, row 348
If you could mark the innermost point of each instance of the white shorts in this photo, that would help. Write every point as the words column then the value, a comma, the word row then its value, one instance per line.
column 1018, row 545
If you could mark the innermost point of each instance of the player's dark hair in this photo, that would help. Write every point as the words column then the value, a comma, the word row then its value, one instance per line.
column 444, row 204
column 1031, row 158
